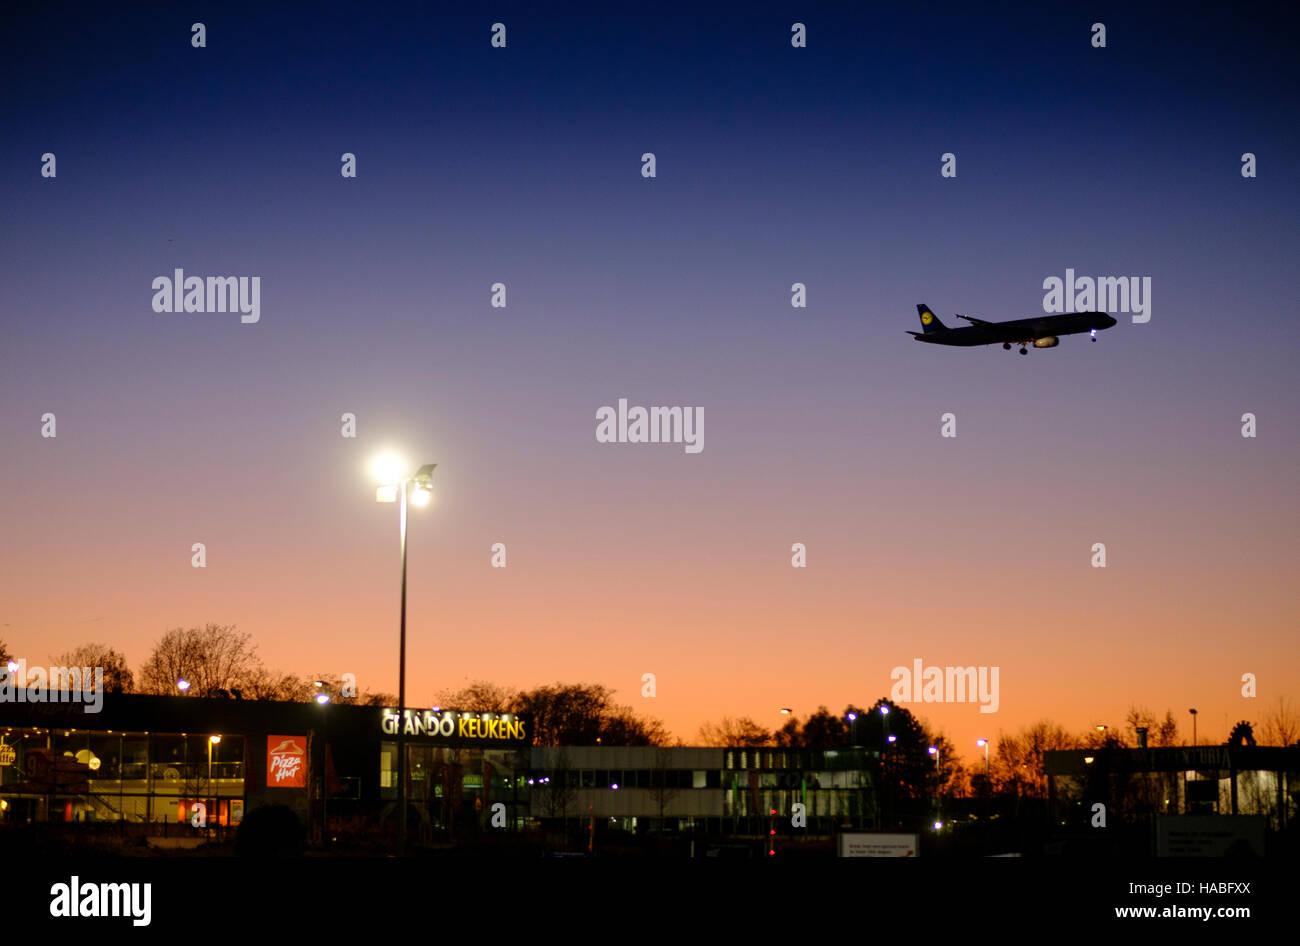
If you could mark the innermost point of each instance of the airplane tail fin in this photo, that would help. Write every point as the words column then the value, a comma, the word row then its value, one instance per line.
column 929, row 321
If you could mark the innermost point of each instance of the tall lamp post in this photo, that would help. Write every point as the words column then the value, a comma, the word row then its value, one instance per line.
column 322, row 699
column 884, row 779
column 988, row 784
column 216, row 798
column 1193, row 712
column 938, row 775
column 394, row 487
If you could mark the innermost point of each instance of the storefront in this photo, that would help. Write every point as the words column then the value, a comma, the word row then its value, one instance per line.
column 187, row 762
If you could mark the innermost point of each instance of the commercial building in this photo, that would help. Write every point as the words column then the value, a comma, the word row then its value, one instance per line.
column 159, row 760
column 167, row 763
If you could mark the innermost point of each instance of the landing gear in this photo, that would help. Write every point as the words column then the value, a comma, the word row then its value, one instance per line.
column 1024, row 351
column 1006, row 346
column 1094, row 335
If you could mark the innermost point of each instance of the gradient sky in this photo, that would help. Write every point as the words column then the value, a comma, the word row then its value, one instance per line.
column 775, row 165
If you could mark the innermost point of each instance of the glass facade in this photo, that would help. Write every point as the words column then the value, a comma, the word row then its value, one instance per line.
column 129, row 777
column 450, row 787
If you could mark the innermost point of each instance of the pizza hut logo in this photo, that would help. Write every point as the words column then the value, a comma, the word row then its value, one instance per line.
column 285, row 761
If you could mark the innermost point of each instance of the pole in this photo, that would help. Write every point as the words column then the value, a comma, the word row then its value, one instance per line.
column 988, row 785
column 401, row 697
column 325, row 777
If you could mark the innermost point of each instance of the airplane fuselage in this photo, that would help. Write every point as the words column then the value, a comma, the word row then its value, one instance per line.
column 1019, row 331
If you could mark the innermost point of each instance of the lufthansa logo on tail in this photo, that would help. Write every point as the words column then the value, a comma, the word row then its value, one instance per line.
column 926, row 318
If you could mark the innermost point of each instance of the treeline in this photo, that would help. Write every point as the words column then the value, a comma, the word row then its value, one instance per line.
column 221, row 662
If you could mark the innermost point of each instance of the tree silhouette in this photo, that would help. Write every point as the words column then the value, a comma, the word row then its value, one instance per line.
column 117, row 675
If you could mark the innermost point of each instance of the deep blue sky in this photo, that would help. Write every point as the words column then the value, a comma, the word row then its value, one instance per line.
column 775, row 165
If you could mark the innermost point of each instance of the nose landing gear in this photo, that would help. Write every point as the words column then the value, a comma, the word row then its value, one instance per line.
column 1006, row 346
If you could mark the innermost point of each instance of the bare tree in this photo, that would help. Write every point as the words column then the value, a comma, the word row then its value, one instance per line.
column 1281, row 724
column 117, row 675
column 479, row 697
column 263, row 684
column 210, row 658
column 742, row 732
column 1018, row 765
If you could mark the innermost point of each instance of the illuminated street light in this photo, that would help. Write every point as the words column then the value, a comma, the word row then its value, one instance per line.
column 182, row 685
column 216, row 793
column 988, row 785
column 395, row 485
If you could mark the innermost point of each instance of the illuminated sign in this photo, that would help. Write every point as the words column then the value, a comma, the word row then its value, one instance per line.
column 456, row 726
column 7, row 753
column 286, row 761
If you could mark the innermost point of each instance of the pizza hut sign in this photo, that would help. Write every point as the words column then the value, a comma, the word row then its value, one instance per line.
column 286, row 761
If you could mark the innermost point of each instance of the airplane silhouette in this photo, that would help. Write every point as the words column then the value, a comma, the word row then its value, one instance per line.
column 1041, row 332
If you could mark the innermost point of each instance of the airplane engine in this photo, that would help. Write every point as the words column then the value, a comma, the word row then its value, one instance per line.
column 1051, row 341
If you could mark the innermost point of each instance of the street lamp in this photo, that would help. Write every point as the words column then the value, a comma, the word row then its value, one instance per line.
column 938, row 776
column 212, row 741
column 988, row 784
column 322, row 699
column 1193, row 712
column 394, row 486
column 182, row 685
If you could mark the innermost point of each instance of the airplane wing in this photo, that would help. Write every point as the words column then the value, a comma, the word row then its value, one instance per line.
column 972, row 319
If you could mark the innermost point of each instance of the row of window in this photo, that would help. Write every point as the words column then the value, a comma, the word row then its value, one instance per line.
column 702, row 778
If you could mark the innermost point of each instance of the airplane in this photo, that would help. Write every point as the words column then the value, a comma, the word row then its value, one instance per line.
column 1041, row 332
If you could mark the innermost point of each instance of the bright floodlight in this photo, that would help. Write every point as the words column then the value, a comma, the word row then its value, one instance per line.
column 981, row 743
column 424, row 476
column 214, row 739
column 388, row 468
column 421, row 496
column 933, row 750
column 893, row 739
column 322, row 698
column 938, row 825
column 386, row 494
column 13, row 666
column 786, row 711
column 852, row 716
column 884, row 711
column 182, row 685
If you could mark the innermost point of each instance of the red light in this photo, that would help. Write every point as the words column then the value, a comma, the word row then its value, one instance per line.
column 773, row 831
column 770, row 853
column 773, row 811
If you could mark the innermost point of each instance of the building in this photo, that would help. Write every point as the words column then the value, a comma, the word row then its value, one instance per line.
column 161, row 760
column 1193, row 799
column 168, row 764
column 717, row 791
